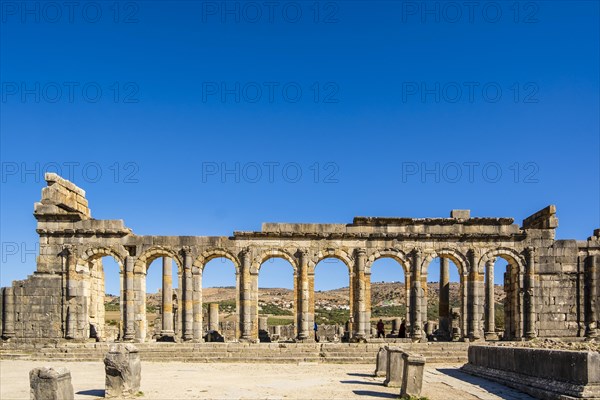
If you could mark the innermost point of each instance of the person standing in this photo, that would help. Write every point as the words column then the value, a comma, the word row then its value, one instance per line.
column 380, row 329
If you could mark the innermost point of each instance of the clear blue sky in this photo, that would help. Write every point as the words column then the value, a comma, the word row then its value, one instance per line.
column 161, row 97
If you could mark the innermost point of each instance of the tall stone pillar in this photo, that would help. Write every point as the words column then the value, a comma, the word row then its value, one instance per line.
column 359, row 295
column 303, row 299
column 530, row 294
column 591, row 306
column 475, row 299
column 197, row 302
column 8, row 313
column 213, row 317
column 407, row 290
column 139, row 288
column 245, row 297
column 71, row 293
column 444, row 305
column 416, row 324
column 490, row 317
column 128, row 326
column 167, row 298
column 187, row 293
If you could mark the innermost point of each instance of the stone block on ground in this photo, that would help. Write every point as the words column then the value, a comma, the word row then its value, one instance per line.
column 412, row 380
column 395, row 367
column 381, row 364
column 123, row 371
column 48, row 383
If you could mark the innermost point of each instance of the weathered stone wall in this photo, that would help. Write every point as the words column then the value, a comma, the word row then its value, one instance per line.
column 550, row 374
column 552, row 286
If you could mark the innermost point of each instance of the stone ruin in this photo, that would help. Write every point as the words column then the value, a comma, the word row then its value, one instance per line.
column 552, row 285
column 48, row 383
column 123, row 371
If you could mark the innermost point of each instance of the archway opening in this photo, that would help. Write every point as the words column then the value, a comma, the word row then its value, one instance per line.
column 163, row 299
column 331, row 305
column 501, row 320
column 389, row 294
column 444, row 309
column 219, row 300
column 276, row 300
column 105, row 309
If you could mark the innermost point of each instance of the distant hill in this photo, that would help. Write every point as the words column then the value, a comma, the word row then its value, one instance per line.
column 382, row 294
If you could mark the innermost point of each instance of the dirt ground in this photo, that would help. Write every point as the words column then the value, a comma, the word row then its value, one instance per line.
column 257, row 381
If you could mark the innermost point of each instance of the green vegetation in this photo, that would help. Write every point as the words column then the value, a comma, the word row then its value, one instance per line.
column 151, row 309
column 272, row 309
column 112, row 322
column 388, row 311
column 272, row 321
column 331, row 317
column 112, row 307
column 499, row 315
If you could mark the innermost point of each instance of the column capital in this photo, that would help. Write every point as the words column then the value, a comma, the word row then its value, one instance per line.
column 490, row 262
column 360, row 252
column 186, row 250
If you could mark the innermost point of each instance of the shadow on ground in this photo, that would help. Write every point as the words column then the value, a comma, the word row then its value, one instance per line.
column 93, row 392
column 362, row 383
column 487, row 385
column 371, row 393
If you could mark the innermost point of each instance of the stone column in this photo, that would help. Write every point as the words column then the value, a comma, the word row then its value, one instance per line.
column 213, row 317
column 591, row 307
column 396, row 322
column 475, row 300
column 407, row 290
column 128, row 326
column 359, row 295
column 444, row 305
column 8, row 313
column 416, row 324
column 139, row 288
column 303, row 299
column 71, row 292
column 197, row 302
column 187, row 292
column 530, row 294
column 167, row 298
column 245, row 297
column 490, row 317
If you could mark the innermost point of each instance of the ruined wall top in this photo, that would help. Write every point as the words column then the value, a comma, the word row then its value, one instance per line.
column 63, row 211
column 62, row 200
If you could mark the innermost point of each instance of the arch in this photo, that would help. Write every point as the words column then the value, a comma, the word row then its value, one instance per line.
column 208, row 255
column 395, row 254
column 331, row 253
column 273, row 253
column 456, row 256
column 512, row 256
column 144, row 260
column 93, row 253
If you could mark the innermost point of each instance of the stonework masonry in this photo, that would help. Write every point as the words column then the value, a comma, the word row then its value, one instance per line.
column 552, row 286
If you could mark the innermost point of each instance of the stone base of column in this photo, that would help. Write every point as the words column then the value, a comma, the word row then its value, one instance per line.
column 358, row 338
column 128, row 337
column 591, row 331
column 530, row 335
column 248, row 340
column 187, row 338
column 491, row 336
